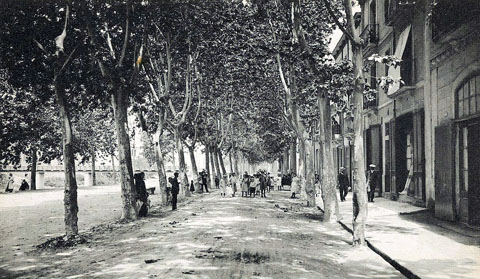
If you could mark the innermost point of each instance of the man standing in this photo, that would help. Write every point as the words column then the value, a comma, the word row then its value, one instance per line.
column 372, row 179
column 175, row 190
column 263, row 184
column 204, row 180
column 343, row 183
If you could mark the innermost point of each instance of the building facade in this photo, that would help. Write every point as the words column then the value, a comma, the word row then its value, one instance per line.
column 455, row 109
column 422, row 134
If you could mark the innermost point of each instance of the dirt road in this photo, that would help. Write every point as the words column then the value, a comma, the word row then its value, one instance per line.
column 213, row 237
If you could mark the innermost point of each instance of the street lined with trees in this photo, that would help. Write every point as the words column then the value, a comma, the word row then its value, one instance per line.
column 246, row 82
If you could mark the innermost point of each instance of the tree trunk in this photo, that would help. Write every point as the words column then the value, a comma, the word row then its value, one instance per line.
column 360, row 205
column 33, row 170
column 230, row 161
column 94, row 175
column 220, row 159
column 212, row 164
column 114, row 172
column 310, row 190
column 70, row 194
column 301, row 166
column 207, row 166
column 293, row 156
column 119, row 104
column 191, row 151
column 217, row 164
column 185, row 189
column 329, row 178
column 162, row 178
column 285, row 160
column 235, row 163
column 174, row 161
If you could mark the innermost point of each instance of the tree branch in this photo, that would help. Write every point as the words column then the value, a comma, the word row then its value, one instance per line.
column 338, row 23
column 127, row 35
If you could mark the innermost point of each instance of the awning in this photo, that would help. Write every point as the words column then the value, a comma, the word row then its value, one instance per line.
column 400, row 48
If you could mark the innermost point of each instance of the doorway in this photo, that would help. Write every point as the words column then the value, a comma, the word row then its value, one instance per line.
column 470, row 172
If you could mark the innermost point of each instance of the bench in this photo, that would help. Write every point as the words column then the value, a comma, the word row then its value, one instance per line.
column 151, row 190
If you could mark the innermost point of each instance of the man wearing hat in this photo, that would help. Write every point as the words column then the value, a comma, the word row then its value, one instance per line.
column 343, row 183
column 175, row 190
column 372, row 180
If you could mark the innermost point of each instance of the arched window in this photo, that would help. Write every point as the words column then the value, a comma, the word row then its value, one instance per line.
column 467, row 98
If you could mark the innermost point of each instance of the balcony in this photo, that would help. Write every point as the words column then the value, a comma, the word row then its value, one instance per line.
column 370, row 35
column 399, row 10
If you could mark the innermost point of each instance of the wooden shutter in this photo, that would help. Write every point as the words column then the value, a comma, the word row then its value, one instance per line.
column 445, row 172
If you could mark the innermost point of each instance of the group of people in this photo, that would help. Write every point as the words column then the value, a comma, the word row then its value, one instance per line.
column 260, row 181
column 10, row 184
column 344, row 182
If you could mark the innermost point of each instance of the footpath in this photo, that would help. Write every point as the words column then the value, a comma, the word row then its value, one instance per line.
column 416, row 243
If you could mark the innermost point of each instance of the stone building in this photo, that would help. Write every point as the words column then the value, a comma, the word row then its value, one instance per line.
column 454, row 62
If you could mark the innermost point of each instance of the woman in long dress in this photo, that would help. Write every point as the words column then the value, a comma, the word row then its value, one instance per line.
column 223, row 186
column 295, row 185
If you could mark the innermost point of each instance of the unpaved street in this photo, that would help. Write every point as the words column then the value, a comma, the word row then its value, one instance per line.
column 213, row 237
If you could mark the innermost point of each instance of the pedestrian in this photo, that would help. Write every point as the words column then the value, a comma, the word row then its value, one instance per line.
column 233, row 183
column 192, row 187
column 223, row 186
column 269, row 182
column 343, row 183
column 263, row 185
column 24, row 186
column 217, row 182
column 10, row 182
column 253, row 185
column 142, row 195
column 372, row 180
column 204, row 180
column 245, row 184
column 175, row 190
column 294, row 186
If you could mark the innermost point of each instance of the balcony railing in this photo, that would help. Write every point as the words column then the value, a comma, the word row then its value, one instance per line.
column 370, row 34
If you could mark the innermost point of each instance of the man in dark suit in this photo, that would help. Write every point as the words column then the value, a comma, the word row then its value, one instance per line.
column 175, row 190
column 343, row 183
column 372, row 180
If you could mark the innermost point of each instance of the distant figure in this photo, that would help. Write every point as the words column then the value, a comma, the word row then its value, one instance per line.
column 217, row 182
column 233, row 183
column 372, row 180
column 192, row 187
column 204, row 176
column 343, row 183
column 294, row 185
column 24, row 186
column 175, row 190
column 142, row 195
column 245, row 184
column 269, row 182
column 263, row 185
column 9, row 183
column 223, row 186
column 253, row 185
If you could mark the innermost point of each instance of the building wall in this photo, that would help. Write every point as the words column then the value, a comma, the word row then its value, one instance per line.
column 455, row 57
